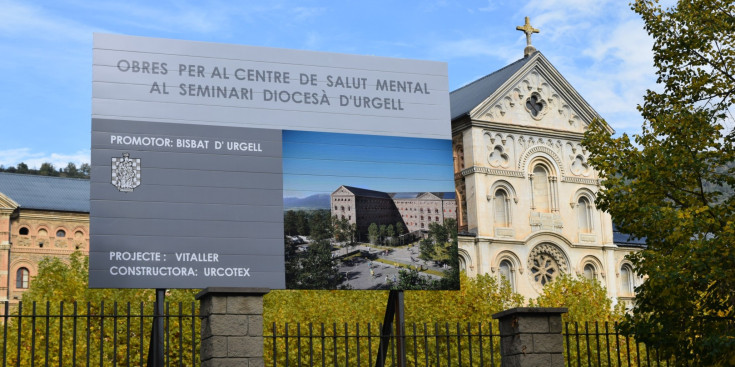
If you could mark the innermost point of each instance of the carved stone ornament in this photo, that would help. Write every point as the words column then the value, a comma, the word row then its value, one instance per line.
column 546, row 263
column 536, row 106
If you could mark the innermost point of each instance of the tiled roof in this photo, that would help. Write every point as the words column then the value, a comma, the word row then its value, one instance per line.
column 464, row 99
column 46, row 193
column 625, row 240
column 369, row 193
column 396, row 195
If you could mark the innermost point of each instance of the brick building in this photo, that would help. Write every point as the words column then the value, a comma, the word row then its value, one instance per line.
column 415, row 210
column 40, row 216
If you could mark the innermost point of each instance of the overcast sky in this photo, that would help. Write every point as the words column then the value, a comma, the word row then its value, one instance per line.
column 46, row 47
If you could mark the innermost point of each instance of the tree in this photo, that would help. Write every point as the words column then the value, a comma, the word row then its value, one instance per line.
column 290, row 223
column 316, row 269
column 320, row 225
column 302, row 223
column 670, row 185
column 47, row 169
column 411, row 280
column 586, row 300
column 373, row 233
column 400, row 230
column 390, row 232
column 71, row 170
column 66, row 280
column 22, row 168
column 438, row 233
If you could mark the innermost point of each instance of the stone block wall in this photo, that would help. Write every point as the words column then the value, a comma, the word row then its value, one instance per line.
column 531, row 337
column 232, row 326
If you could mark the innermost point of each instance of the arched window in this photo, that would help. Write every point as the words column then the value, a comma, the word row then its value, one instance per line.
column 462, row 263
column 626, row 280
column 584, row 215
column 61, row 233
column 502, row 208
column 589, row 272
column 506, row 273
column 541, row 197
column 23, row 231
column 21, row 278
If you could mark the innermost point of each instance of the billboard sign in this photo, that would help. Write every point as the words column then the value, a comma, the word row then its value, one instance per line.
column 229, row 165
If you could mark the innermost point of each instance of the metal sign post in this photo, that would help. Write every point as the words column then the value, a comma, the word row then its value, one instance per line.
column 393, row 312
column 155, row 349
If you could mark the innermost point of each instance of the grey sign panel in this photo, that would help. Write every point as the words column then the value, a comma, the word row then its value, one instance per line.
column 185, row 206
column 148, row 79
column 197, row 146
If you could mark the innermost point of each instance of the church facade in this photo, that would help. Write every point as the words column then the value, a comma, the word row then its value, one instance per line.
column 525, row 190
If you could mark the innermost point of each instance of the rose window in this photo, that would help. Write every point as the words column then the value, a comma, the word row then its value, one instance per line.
column 544, row 269
column 546, row 262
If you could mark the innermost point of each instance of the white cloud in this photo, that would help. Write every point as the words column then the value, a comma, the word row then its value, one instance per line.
column 21, row 18
column 11, row 157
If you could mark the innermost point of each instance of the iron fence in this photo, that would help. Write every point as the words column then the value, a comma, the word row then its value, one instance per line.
column 600, row 344
column 72, row 334
column 345, row 345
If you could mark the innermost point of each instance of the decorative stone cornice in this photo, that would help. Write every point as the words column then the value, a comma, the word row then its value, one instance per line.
column 56, row 216
column 491, row 171
column 7, row 203
column 580, row 180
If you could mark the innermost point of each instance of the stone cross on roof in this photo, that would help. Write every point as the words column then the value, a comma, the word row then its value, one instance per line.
column 528, row 30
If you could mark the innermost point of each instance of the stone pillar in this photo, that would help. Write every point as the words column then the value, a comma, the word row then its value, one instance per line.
column 531, row 337
column 232, row 326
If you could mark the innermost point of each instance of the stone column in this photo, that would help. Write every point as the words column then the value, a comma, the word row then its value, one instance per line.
column 232, row 326
column 531, row 337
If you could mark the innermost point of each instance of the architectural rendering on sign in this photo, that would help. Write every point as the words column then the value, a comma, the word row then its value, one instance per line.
column 200, row 151
column 341, row 203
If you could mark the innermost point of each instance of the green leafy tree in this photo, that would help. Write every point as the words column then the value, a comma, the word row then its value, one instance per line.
column 71, row 170
column 316, row 268
column 400, row 230
column 290, row 223
column 475, row 303
column 22, row 168
column 587, row 300
column 47, row 169
column 302, row 223
column 382, row 229
column 590, row 310
column 320, row 225
column 438, row 232
column 669, row 185
column 373, row 233
column 65, row 281
column 390, row 232
column 426, row 249
column 85, row 169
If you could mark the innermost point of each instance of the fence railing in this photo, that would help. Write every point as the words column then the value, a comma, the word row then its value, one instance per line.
column 345, row 345
column 71, row 334
column 441, row 345
column 600, row 344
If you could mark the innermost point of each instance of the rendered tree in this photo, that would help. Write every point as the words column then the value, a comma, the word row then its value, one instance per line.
column 670, row 185
column 373, row 233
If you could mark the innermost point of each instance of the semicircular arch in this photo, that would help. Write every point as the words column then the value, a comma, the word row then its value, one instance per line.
column 528, row 156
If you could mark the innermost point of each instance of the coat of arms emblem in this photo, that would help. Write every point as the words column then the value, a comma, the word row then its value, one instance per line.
column 126, row 172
